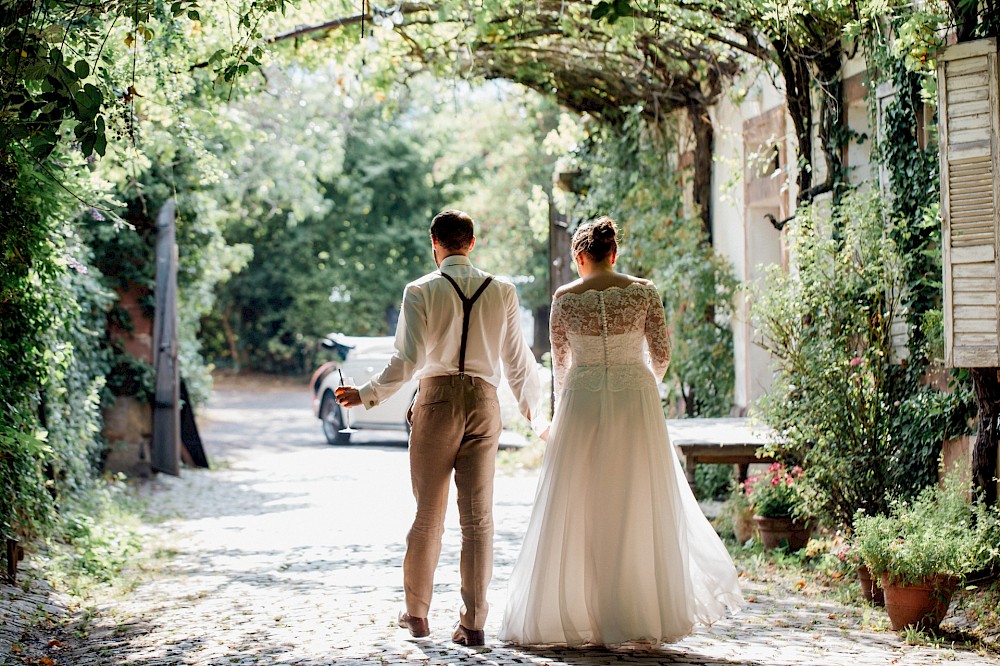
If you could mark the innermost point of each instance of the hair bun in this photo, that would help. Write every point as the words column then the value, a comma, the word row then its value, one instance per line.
column 597, row 238
column 605, row 228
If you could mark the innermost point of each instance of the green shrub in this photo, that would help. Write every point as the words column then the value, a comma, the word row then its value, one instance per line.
column 25, row 502
column 712, row 482
column 862, row 426
column 940, row 532
column 52, row 357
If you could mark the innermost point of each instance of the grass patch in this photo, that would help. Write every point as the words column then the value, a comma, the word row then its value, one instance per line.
column 97, row 537
column 525, row 458
column 975, row 617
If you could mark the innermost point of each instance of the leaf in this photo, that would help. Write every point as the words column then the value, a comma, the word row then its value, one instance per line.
column 194, row 15
column 82, row 69
column 101, row 144
column 601, row 10
column 87, row 142
column 85, row 109
column 623, row 8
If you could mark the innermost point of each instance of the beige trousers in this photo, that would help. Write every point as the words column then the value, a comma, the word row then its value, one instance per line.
column 455, row 426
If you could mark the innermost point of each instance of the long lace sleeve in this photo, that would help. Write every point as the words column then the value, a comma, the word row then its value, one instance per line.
column 657, row 338
column 561, row 352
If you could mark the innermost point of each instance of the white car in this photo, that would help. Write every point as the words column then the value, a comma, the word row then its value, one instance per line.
column 362, row 358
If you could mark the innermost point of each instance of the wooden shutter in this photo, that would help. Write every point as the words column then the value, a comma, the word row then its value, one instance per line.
column 969, row 115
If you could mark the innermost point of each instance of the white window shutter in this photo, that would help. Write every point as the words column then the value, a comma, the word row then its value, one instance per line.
column 969, row 121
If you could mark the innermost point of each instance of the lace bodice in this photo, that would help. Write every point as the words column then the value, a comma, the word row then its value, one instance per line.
column 598, row 336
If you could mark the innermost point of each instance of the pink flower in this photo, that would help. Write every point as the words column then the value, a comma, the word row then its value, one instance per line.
column 788, row 480
column 775, row 466
column 797, row 471
column 856, row 361
column 775, row 481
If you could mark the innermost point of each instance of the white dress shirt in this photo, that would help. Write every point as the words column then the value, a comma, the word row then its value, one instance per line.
column 429, row 337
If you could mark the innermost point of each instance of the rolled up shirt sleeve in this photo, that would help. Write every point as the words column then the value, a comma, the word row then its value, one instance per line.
column 409, row 356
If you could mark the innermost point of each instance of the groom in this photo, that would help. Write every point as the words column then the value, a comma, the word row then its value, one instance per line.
column 456, row 326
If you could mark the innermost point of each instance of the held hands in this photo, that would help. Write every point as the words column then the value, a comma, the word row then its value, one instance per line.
column 348, row 396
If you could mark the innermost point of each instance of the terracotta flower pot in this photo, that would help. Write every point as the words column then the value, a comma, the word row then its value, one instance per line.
column 777, row 532
column 744, row 528
column 922, row 605
column 871, row 590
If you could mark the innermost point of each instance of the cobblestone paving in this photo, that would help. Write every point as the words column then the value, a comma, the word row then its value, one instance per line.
column 290, row 552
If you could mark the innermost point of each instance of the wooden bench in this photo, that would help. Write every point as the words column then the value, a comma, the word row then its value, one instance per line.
column 728, row 441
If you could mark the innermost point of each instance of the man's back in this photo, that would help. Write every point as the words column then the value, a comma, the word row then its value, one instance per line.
column 488, row 320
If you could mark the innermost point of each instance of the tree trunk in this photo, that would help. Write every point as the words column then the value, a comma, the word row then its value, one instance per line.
column 799, row 100
column 704, row 138
column 984, row 455
column 227, row 329
column 832, row 119
column 541, row 342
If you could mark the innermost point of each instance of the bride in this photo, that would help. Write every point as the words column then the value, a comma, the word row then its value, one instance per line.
column 617, row 549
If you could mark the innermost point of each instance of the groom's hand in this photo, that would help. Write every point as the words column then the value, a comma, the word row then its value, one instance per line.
column 348, row 396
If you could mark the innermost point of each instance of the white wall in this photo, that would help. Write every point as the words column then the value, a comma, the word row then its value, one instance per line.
column 742, row 234
column 727, row 223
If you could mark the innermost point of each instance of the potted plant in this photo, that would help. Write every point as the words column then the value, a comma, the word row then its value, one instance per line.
column 740, row 514
column 922, row 550
column 779, row 507
column 871, row 587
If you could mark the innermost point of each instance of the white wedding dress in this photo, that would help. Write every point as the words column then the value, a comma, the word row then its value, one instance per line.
column 617, row 549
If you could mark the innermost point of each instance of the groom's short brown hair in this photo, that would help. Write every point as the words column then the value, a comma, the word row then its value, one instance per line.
column 452, row 229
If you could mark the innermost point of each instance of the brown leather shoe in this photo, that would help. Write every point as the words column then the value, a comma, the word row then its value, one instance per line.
column 417, row 625
column 470, row 637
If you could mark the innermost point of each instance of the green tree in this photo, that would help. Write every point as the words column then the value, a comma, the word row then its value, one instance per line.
column 336, row 203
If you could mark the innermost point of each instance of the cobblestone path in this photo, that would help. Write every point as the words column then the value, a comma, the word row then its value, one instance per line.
column 290, row 551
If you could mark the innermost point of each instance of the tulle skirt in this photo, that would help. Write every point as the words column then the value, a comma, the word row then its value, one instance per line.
column 617, row 548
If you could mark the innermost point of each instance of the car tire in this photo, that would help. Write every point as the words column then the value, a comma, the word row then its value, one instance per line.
column 333, row 420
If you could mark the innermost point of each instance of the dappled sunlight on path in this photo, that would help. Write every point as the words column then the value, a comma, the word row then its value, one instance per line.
column 290, row 552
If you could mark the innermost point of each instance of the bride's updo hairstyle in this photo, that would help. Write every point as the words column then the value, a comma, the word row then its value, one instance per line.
column 597, row 238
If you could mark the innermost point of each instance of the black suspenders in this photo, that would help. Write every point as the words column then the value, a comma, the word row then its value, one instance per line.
column 466, row 310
